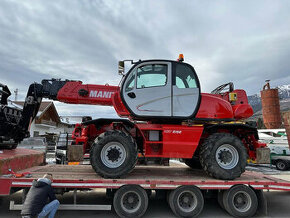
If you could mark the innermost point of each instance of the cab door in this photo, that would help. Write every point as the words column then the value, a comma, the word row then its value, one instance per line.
column 185, row 91
column 147, row 89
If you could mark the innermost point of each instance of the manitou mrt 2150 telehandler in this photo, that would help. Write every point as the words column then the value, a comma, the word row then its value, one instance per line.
column 168, row 117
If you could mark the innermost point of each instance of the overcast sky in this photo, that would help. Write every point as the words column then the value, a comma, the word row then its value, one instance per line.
column 245, row 42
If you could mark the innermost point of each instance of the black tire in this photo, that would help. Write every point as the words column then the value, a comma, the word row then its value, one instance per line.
column 130, row 201
column 282, row 165
column 240, row 201
column 223, row 156
column 220, row 197
column 170, row 201
column 149, row 192
column 186, row 201
column 193, row 163
column 122, row 150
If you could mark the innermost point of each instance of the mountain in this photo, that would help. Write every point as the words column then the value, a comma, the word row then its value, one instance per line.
column 255, row 102
column 284, row 91
column 284, row 95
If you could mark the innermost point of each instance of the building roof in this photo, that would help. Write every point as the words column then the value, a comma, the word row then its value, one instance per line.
column 44, row 105
column 47, row 110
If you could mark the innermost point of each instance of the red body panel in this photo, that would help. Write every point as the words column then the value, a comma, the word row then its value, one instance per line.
column 5, row 186
column 214, row 107
column 119, row 105
column 242, row 111
column 180, row 141
column 176, row 141
column 218, row 106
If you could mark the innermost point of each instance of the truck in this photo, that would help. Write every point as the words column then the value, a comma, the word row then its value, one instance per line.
column 184, row 189
column 166, row 114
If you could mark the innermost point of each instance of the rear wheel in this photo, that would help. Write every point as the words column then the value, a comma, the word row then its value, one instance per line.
column 114, row 154
column 186, row 201
column 223, row 156
column 281, row 165
column 170, row 201
column 240, row 201
column 130, row 201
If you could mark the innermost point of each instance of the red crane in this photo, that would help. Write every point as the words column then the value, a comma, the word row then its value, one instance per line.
column 168, row 117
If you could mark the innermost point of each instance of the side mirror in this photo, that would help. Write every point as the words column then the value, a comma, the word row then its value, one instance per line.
column 121, row 67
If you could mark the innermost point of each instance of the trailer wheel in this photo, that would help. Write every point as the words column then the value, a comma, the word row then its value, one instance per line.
column 223, row 156
column 281, row 165
column 220, row 199
column 170, row 201
column 186, row 201
column 240, row 201
column 130, row 201
column 113, row 154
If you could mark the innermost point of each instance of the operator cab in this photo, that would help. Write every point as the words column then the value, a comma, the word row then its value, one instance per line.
column 161, row 89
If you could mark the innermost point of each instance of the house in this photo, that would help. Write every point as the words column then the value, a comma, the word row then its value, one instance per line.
column 71, row 120
column 47, row 120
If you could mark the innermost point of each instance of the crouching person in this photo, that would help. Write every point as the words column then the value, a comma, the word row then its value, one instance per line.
column 35, row 204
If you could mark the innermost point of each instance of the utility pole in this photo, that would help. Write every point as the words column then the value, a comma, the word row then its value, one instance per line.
column 16, row 94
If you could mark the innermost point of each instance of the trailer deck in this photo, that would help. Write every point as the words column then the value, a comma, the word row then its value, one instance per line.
column 153, row 177
column 174, row 178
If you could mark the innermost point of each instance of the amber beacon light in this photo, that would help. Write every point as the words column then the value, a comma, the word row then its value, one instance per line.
column 180, row 58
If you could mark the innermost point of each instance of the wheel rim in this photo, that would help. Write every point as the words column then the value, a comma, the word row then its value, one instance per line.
column 281, row 165
column 227, row 156
column 113, row 154
column 242, row 201
column 131, row 202
column 187, row 201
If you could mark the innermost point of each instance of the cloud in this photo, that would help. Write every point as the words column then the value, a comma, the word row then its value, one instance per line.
column 244, row 42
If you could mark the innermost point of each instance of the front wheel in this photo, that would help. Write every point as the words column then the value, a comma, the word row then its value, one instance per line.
column 113, row 154
column 223, row 156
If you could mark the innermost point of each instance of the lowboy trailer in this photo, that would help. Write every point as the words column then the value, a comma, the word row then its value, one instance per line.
column 185, row 188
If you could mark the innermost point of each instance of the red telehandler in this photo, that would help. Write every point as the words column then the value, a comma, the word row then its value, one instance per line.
column 168, row 117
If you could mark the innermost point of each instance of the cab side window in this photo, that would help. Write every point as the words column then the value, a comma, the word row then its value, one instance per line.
column 131, row 82
column 151, row 75
column 184, row 77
